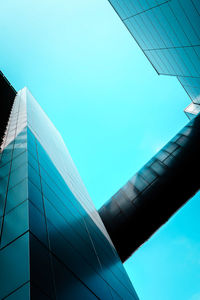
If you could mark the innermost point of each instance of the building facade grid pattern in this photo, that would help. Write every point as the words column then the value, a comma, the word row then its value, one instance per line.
column 168, row 32
column 50, row 247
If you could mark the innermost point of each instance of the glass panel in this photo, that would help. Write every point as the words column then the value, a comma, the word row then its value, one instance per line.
column 34, row 176
column 37, row 224
column 22, row 293
column 186, row 131
column 152, row 27
column 191, row 59
column 40, row 269
column 18, row 175
column 182, row 141
column 15, row 224
column 137, row 32
column 14, row 262
column 196, row 5
column 139, row 182
column 130, row 190
column 174, row 25
column 184, row 21
column 32, row 160
column 7, row 154
column 170, row 147
column 158, row 167
column 148, row 174
column 157, row 62
column 35, row 195
column 16, row 195
column 19, row 161
column 154, row 16
column 165, row 57
column 163, row 19
column 4, row 170
column 68, row 286
column 3, row 191
column 169, row 161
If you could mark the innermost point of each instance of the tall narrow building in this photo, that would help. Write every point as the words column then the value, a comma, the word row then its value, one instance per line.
column 53, row 244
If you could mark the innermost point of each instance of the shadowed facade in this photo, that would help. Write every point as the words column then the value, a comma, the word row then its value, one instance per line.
column 168, row 33
column 53, row 244
column 155, row 193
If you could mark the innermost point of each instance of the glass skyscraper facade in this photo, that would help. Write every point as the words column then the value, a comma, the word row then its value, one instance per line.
column 53, row 244
column 168, row 32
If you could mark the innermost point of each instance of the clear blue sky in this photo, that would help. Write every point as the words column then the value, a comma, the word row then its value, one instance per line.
column 113, row 111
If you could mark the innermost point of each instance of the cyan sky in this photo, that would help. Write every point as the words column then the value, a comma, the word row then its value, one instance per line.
column 113, row 111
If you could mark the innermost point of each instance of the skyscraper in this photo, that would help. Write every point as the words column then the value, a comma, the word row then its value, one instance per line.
column 53, row 244
column 168, row 32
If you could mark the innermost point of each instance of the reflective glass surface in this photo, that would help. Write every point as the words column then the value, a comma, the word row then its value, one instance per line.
column 14, row 262
column 52, row 242
column 169, row 34
column 21, row 293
